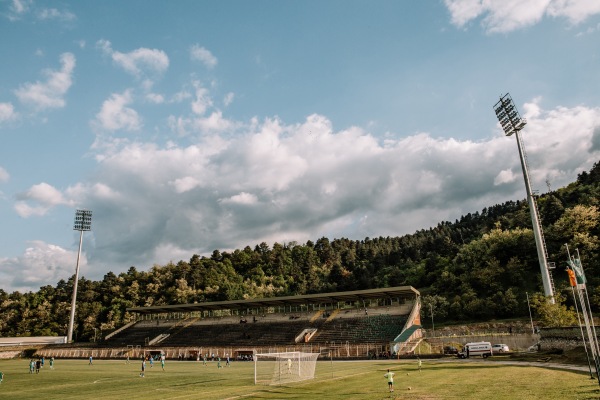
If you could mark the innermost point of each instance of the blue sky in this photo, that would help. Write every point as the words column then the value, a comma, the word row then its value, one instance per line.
column 191, row 126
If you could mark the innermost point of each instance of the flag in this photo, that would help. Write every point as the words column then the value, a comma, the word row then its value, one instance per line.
column 575, row 265
column 572, row 279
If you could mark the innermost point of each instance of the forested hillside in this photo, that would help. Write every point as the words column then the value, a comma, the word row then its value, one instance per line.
column 476, row 268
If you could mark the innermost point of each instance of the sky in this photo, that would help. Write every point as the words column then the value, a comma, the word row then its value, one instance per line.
column 189, row 126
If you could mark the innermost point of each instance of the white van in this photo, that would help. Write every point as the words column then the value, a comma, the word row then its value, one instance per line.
column 483, row 349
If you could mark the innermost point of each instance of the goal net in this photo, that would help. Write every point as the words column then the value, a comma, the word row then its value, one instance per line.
column 281, row 368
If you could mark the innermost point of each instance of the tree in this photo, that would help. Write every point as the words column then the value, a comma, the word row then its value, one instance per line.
column 434, row 305
column 576, row 226
column 551, row 209
column 553, row 315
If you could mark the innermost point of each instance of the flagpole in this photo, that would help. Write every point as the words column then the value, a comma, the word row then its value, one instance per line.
column 591, row 317
column 587, row 297
column 580, row 283
column 587, row 355
column 530, row 317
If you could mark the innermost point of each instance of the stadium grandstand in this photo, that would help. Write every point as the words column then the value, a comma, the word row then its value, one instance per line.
column 353, row 324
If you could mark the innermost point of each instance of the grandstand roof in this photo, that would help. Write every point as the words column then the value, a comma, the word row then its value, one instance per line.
column 356, row 295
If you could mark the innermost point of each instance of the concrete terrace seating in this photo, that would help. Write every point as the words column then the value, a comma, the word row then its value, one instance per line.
column 349, row 325
column 248, row 334
column 367, row 329
column 138, row 334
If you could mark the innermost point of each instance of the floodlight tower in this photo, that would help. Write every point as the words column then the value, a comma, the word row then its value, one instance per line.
column 511, row 123
column 83, row 222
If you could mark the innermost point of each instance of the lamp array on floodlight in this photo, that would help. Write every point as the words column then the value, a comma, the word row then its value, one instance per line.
column 83, row 220
column 509, row 117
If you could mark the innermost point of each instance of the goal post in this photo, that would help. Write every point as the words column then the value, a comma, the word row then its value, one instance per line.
column 286, row 367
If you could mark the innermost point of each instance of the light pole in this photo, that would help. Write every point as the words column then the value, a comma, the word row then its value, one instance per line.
column 530, row 317
column 511, row 123
column 432, row 324
column 83, row 222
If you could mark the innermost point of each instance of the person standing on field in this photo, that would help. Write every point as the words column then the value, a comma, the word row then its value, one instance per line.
column 420, row 363
column 390, row 378
column 143, row 367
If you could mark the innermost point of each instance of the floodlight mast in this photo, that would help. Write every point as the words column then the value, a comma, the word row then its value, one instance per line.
column 511, row 122
column 83, row 222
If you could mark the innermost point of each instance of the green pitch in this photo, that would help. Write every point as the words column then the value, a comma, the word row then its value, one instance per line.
column 75, row 379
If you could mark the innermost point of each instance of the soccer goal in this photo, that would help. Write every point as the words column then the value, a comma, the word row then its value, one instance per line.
column 280, row 368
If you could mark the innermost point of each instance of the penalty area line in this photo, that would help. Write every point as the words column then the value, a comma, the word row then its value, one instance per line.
column 241, row 396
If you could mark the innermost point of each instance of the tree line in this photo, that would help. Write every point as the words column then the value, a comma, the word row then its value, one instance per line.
column 479, row 267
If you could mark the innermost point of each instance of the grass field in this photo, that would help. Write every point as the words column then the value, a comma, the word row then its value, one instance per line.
column 75, row 379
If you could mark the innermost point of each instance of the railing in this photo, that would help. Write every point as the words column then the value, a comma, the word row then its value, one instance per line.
column 158, row 339
column 119, row 330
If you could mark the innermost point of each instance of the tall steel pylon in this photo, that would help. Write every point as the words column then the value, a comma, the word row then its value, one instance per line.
column 511, row 123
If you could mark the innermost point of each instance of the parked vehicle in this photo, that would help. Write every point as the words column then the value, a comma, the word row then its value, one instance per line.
column 483, row 349
column 500, row 348
column 535, row 347
column 450, row 350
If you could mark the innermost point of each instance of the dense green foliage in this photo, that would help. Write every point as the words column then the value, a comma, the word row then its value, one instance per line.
column 479, row 267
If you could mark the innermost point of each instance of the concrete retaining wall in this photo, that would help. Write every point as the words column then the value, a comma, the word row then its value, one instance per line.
column 566, row 338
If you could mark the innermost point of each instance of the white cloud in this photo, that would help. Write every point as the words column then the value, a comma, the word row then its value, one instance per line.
column 202, row 101
column 181, row 96
column 505, row 176
column 115, row 115
column 137, row 62
column 18, row 8
column 203, row 55
column 43, row 196
column 242, row 198
column 50, row 93
column 271, row 181
column 509, row 15
column 463, row 11
column 155, row 98
column 4, row 175
column 185, row 184
column 575, row 11
column 228, row 99
column 53, row 13
column 213, row 123
column 41, row 264
column 21, row 8
column 105, row 46
column 7, row 112
column 178, row 125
